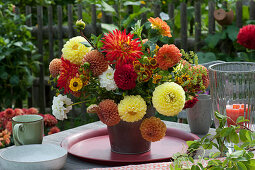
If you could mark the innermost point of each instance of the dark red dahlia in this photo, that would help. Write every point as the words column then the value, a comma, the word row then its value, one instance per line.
column 125, row 77
column 190, row 103
column 9, row 113
column 246, row 36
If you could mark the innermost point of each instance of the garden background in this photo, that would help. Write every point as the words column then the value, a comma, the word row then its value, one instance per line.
column 33, row 33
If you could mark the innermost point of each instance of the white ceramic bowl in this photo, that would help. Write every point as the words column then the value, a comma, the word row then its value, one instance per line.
column 32, row 157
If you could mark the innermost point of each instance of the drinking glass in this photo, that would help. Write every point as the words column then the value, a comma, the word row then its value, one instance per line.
column 232, row 86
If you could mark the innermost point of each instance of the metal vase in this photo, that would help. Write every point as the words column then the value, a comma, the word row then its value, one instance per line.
column 126, row 138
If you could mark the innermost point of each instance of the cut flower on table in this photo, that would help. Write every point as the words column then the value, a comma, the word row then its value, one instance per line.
column 121, row 74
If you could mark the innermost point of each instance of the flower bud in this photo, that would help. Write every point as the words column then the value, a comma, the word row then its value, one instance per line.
column 146, row 60
column 80, row 24
column 86, row 65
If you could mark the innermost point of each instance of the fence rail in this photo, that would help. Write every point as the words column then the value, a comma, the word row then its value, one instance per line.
column 41, row 95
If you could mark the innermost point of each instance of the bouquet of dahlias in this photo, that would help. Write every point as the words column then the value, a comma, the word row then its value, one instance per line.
column 120, row 74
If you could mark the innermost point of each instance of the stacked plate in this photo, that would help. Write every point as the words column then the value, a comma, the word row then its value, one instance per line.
column 31, row 157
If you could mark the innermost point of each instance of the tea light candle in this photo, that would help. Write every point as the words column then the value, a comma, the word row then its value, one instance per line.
column 234, row 111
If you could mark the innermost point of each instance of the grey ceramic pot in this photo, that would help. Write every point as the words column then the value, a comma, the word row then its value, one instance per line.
column 200, row 115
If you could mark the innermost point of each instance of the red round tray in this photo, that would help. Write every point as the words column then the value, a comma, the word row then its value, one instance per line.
column 94, row 146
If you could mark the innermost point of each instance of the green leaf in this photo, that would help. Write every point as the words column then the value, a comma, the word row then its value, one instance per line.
column 131, row 3
column 195, row 167
column 86, row 43
column 3, row 75
column 14, row 80
column 234, row 137
column 213, row 39
column 2, row 57
column 242, row 134
column 18, row 44
column 216, row 154
column 108, row 27
column 133, row 16
column 237, row 154
column 219, row 116
column 226, row 131
column 241, row 166
column 232, row 32
column 107, row 8
column 206, row 57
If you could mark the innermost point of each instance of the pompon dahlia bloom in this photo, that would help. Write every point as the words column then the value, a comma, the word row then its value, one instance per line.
column 18, row 112
column 125, row 77
column 98, row 64
column 161, row 26
column 54, row 67
column 49, row 120
column 168, row 56
column 168, row 98
column 120, row 48
column 74, row 50
column 132, row 108
column 67, row 72
column 153, row 129
column 53, row 130
column 190, row 103
column 9, row 113
column 32, row 111
column 108, row 112
column 107, row 80
column 246, row 36
column 61, row 106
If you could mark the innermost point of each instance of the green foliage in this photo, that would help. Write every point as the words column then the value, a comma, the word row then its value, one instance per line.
column 241, row 158
column 15, row 47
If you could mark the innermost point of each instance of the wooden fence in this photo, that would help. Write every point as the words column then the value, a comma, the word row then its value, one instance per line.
column 41, row 95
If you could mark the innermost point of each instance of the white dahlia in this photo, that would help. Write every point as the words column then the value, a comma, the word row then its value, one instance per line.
column 61, row 106
column 107, row 80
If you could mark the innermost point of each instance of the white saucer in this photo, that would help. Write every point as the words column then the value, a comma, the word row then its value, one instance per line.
column 31, row 157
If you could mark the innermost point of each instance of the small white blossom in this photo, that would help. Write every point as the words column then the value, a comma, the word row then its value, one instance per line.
column 107, row 80
column 61, row 106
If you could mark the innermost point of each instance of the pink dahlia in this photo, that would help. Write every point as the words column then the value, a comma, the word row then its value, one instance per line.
column 18, row 112
column 53, row 130
column 32, row 111
column 120, row 48
column 246, row 36
column 125, row 77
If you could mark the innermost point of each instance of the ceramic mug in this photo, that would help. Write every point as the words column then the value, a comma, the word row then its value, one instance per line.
column 27, row 129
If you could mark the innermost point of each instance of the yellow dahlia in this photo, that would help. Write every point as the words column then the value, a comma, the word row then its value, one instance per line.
column 75, row 84
column 132, row 108
column 168, row 98
column 153, row 129
column 74, row 50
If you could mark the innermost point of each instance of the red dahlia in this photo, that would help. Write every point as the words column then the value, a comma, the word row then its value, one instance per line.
column 246, row 36
column 120, row 48
column 190, row 103
column 67, row 72
column 125, row 77
column 49, row 120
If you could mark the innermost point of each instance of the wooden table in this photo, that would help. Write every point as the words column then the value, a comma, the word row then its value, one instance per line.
column 75, row 163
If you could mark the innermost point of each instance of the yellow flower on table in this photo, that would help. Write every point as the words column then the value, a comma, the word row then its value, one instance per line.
column 168, row 98
column 132, row 108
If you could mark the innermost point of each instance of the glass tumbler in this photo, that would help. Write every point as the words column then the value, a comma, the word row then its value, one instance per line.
column 232, row 88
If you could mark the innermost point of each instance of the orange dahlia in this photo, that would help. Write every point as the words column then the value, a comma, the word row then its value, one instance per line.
column 108, row 112
column 168, row 56
column 120, row 48
column 98, row 64
column 54, row 67
column 67, row 72
column 153, row 129
column 161, row 26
